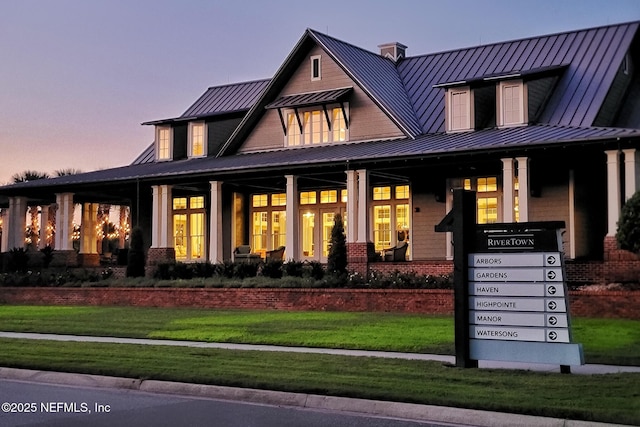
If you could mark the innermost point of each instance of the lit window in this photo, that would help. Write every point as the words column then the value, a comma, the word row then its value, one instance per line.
column 511, row 103
column 487, row 184
column 402, row 192
column 339, row 125
column 279, row 199
column 197, row 147
column 315, row 128
column 459, row 115
column 329, row 196
column 381, row 193
column 196, row 202
column 308, row 198
column 189, row 228
column 343, row 196
column 486, row 189
column 259, row 200
column 180, row 203
column 316, row 67
column 163, row 143
column 487, row 210
column 294, row 137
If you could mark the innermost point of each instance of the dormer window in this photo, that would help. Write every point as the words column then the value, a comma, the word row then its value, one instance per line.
column 511, row 105
column 316, row 68
column 197, row 140
column 164, row 143
column 459, row 112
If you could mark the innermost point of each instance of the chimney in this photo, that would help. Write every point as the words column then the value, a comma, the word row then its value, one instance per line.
column 394, row 51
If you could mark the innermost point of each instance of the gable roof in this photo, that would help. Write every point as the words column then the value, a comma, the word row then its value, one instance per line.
column 375, row 75
column 588, row 56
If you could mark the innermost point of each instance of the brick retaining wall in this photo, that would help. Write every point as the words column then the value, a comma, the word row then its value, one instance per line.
column 618, row 304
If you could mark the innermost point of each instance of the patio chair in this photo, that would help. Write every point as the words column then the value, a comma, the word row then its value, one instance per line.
column 276, row 254
column 397, row 253
column 243, row 254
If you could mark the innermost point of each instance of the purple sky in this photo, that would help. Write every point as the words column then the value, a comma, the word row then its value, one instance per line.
column 77, row 77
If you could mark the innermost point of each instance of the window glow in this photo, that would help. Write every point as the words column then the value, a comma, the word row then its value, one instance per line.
column 197, row 140
column 164, row 143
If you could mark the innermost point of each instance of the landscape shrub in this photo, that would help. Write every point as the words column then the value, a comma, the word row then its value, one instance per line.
column 294, row 268
column 243, row 270
column 628, row 233
column 136, row 258
column 272, row 269
column 18, row 260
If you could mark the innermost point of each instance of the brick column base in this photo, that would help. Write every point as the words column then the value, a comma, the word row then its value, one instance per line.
column 157, row 256
column 358, row 257
column 89, row 260
column 68, row 258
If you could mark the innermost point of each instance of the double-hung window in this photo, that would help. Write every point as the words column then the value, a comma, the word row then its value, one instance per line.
column 197, row 139
column 459, row 109
column 164, row 143
column 511, row 105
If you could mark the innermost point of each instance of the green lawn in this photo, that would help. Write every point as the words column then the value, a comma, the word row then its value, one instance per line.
column 604, row 398
column 612, row 341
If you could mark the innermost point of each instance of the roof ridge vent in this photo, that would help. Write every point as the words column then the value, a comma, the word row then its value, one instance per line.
column 395, row 51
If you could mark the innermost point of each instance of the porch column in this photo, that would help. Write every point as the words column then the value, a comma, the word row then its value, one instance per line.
column 364, row 234
column 507, row 190
column 352, row 206
column 161, row 236
column 64, row 222
column 292, row 239
column 613, row 191
column 15, row 222
column 215, row 226
column 44, row 225
column 523, row 188
column 631, row 184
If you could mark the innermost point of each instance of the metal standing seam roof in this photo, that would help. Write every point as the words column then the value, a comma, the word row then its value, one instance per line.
column 425, row 146
column 376, row 75
column 587, row 54
column 310, row 98
column 225, row 99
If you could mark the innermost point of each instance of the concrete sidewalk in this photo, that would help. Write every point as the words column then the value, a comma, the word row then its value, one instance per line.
column 588, row 369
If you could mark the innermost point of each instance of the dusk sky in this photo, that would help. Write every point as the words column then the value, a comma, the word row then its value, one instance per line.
column 78, row 77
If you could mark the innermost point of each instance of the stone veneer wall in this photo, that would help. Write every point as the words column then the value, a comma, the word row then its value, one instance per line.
column 618, row 304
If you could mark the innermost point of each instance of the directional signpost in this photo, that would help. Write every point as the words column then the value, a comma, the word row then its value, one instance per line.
column 510, row 290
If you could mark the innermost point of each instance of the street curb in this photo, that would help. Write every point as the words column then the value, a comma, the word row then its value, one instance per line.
column 409, row 411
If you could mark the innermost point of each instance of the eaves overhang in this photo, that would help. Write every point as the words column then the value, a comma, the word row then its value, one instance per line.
column 429, row 146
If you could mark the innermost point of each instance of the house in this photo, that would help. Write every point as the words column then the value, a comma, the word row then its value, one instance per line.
column 544, row 128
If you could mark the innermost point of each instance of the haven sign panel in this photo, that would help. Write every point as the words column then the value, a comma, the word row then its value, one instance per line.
column 518, row 306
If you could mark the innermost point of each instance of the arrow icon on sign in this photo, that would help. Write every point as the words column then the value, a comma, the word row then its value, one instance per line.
column 551, row 259
column 553, row 320
column 552, row 305
column 551, row 275
column 553, row 335
column 551, row 290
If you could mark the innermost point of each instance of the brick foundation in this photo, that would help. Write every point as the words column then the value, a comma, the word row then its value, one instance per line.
column 88, row 260
column 157, row 256
column 358, row 257
column 618, row 304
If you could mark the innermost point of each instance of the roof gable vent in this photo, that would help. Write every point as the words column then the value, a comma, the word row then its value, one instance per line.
column 394, row 51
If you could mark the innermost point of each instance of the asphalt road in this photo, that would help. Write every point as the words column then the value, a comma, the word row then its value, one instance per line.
column 35, row 404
